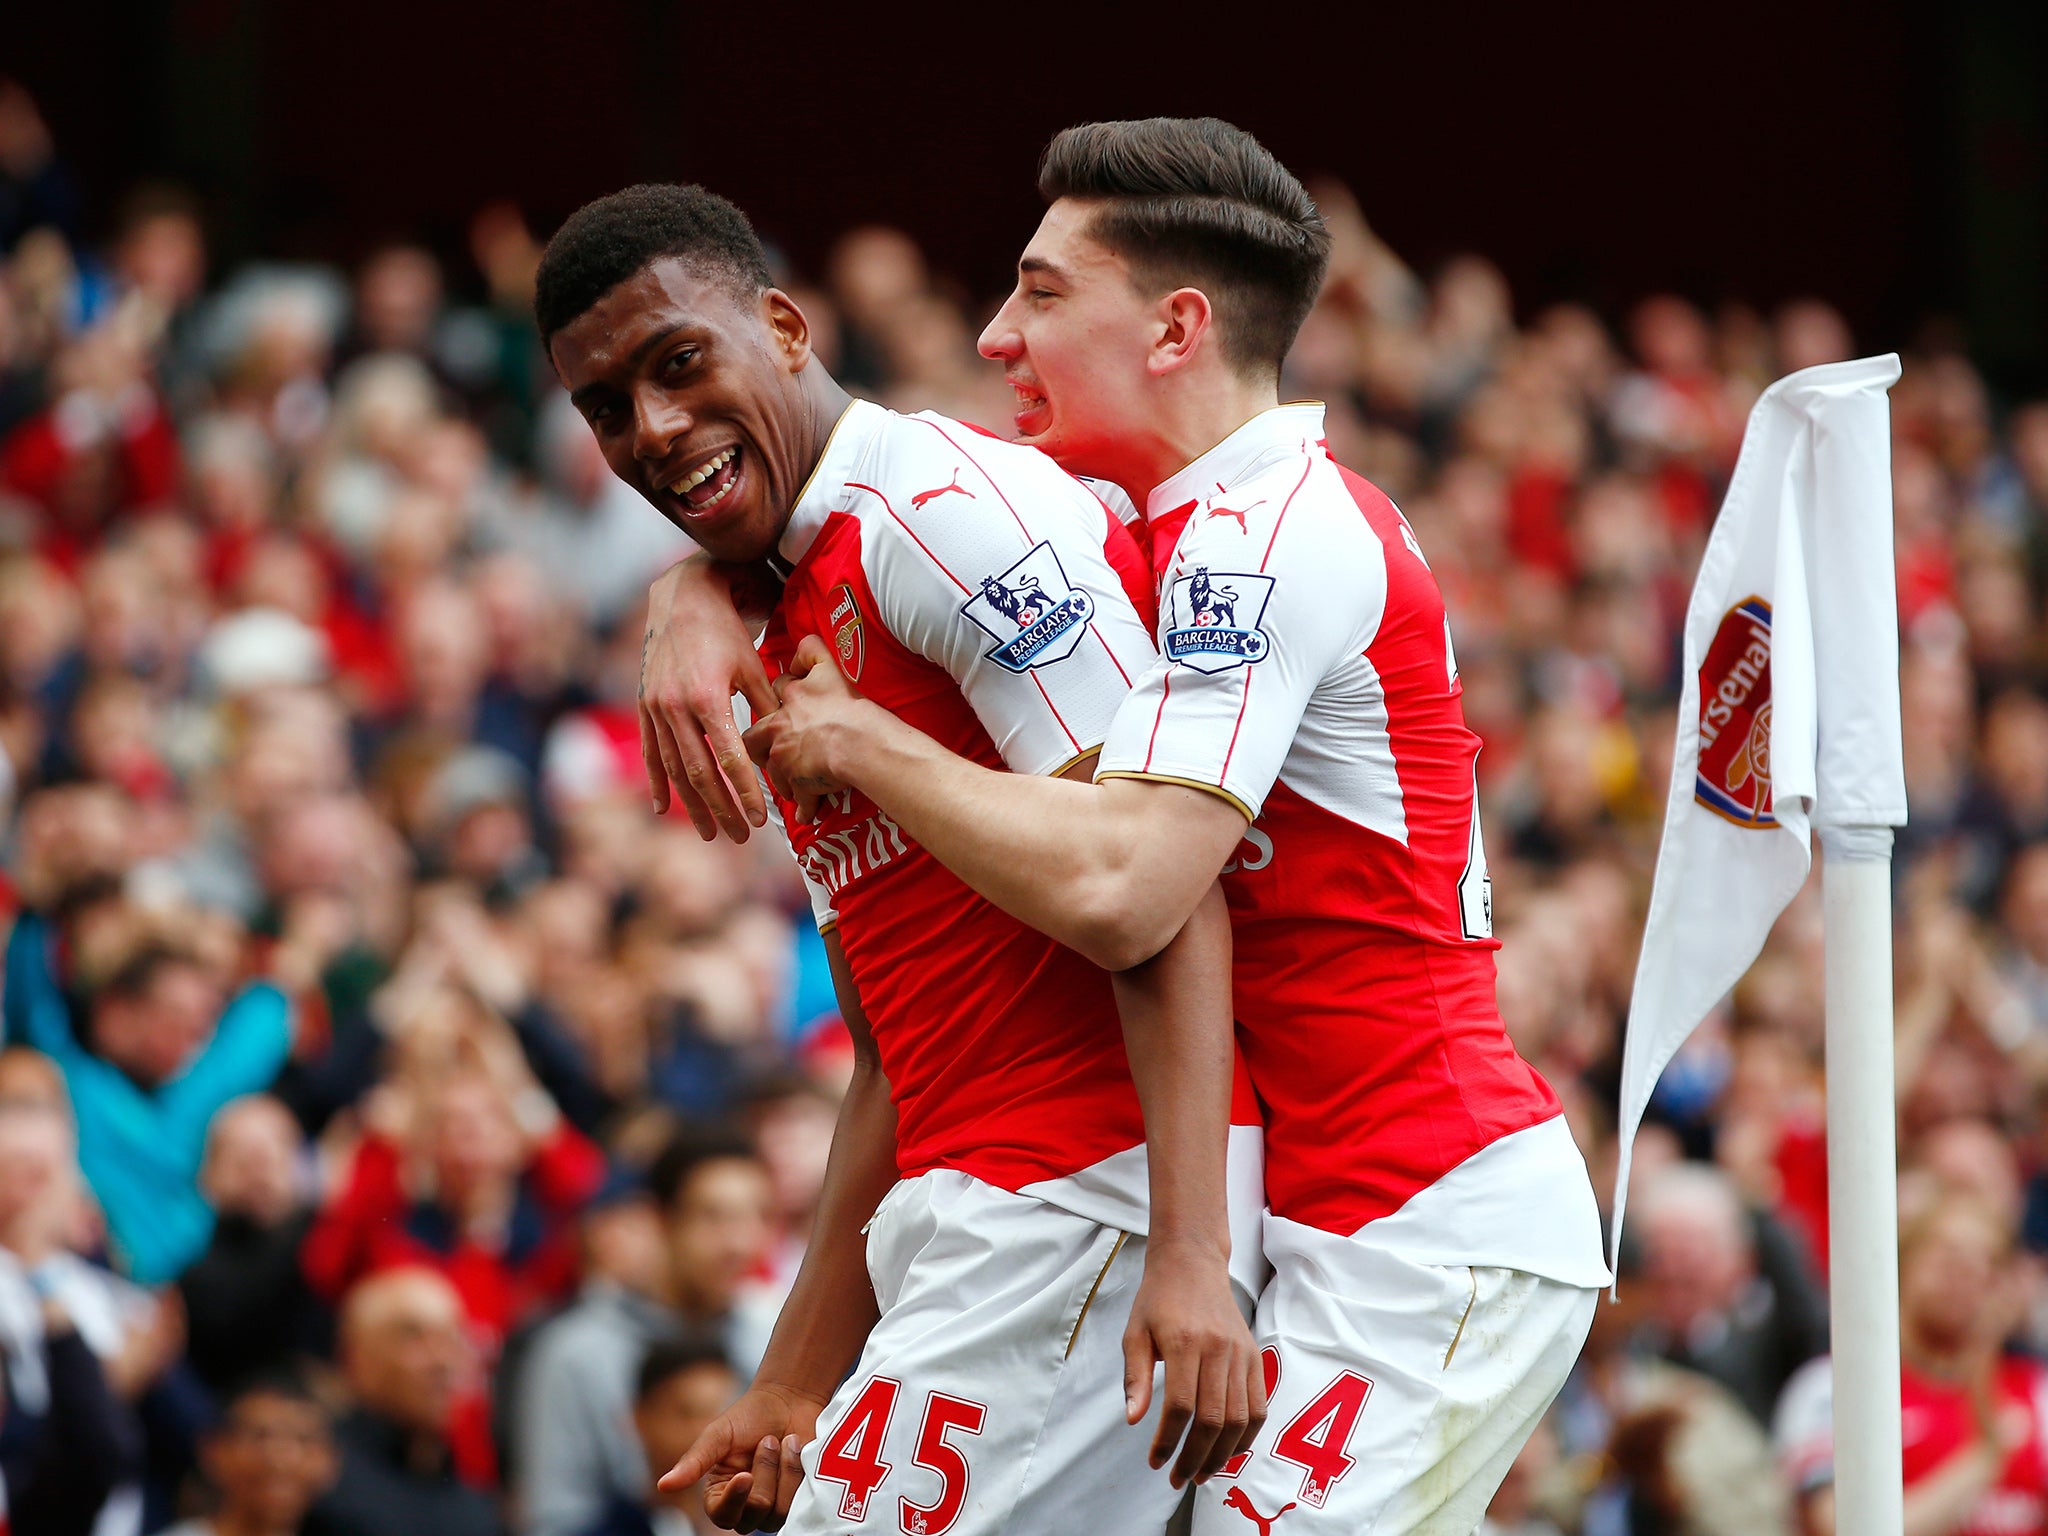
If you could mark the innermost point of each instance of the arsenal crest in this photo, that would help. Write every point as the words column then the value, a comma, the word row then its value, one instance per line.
column 847, row 638
column 1734, row 780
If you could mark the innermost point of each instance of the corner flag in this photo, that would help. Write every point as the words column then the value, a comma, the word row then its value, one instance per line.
column 1789, row 725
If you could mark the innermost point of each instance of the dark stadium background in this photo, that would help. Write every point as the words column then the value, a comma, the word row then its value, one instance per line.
column 1894, row 156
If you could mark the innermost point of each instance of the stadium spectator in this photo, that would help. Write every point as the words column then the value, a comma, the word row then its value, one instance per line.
column 270, row 1456
column 573, row 1453
column 247, row 1307
column 407, row 1359
column 679, row 1388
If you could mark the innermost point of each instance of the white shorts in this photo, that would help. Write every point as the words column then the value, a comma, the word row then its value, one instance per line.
column 989, row 1397
column 1399, row 1392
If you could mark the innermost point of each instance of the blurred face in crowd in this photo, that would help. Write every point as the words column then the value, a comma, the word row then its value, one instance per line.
column 1076, row 343
column 251, row 1152
column 719, row 1230
column 397, row 297
column 153, row 1035
column 1697, row 1251
column 403, row 1348
column 270, row 1459
column 475, row 1141
column 694, row 391
column 675, row 1412
column 1947, row 1270
column 35, row 1162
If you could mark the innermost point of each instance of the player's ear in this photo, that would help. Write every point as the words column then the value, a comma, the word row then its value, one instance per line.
column 1184, row 319
column 790, row 330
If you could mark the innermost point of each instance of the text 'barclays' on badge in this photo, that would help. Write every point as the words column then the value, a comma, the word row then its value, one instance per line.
column 1213, row 620
column 1035, row 616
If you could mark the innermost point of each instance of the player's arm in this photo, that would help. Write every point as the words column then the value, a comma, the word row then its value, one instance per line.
column 749, row 1452
column 1177, row 1033
column 1112, row 869
column 695, row 656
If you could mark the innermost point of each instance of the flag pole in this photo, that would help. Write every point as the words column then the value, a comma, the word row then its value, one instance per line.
column 1863, row 1212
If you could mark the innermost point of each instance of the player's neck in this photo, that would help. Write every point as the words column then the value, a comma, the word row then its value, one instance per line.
column 824, row 402
column 1194, row 417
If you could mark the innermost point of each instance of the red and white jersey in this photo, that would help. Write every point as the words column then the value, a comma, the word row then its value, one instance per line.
column 1307, row 674
column 976, row 591
column 1937, row 1421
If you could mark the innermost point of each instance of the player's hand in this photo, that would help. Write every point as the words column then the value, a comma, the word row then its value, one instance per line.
column 750, row 1456
column 817, row 702
column 1215, row 1391
column 695, row 657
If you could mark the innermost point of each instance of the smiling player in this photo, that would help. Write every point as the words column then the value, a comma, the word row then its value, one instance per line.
column 1435, row 1245
column 992, row 1147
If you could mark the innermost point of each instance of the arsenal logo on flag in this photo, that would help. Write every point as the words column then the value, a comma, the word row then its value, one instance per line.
column 1735, row 718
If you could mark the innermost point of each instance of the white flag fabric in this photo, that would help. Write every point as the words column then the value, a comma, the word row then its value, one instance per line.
column 1790, row 715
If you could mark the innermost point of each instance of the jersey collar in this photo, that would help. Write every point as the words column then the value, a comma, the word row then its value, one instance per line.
column 1283, row 431
column 825, row 490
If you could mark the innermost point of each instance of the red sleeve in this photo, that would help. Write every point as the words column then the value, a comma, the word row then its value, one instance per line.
column 337, row 1246
column 566, row 1170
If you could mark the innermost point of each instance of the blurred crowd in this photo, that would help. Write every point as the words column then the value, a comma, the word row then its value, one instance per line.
column 401, row 1129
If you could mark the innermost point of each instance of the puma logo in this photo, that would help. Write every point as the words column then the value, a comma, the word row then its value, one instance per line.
column 1235, row 1499
column 1227, row 512
column 917, row 502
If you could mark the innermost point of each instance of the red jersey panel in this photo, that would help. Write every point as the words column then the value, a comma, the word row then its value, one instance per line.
column 1307, row 674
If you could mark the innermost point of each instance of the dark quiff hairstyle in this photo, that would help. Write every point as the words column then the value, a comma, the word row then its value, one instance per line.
column 604, row 243
column 1196, row 202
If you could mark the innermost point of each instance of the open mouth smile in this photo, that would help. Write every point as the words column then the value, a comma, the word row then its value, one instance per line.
column 706, row 487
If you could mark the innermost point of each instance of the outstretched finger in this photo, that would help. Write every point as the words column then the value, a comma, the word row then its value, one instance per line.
column 650, row 758
column 675, row 763
column 700, row 1459
column 1139, row 1358
column 759, row 1514
column 1209, row 1422
column 792, row 1477
column 726, row 1502
column 731, row 755
column 1177, row 1407
column 1254, row 1379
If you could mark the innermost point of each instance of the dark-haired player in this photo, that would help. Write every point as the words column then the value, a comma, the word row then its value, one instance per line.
column 993, row 602
column 1435, row 1245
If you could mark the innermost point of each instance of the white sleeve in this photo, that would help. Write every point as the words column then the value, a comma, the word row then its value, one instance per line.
column 1003, row 580
column 1245, row 641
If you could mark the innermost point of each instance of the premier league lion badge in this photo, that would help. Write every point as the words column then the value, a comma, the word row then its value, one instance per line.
column 1035, row 617
column 1212, row 622
column 1734, row 779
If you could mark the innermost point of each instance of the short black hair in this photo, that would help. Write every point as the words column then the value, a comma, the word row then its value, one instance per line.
column 274, row 1382
column 1198, row 202
column 603, row 243
column 690, row 1149
column 667, row 1358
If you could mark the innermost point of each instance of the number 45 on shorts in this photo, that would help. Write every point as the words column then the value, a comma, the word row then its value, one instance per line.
column 852, row 1456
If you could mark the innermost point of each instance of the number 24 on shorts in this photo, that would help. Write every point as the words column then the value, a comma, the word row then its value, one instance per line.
column 1315, row 1438
column 852, row 1455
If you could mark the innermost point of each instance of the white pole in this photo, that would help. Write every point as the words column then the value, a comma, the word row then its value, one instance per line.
column 1863, row 1210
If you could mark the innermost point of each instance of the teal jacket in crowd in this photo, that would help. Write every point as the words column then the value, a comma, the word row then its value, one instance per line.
column 141, row 1148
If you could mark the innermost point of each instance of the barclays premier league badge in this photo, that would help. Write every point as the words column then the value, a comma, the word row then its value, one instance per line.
column 1734, row 780
column 1035, row 617
column 1212, row 621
